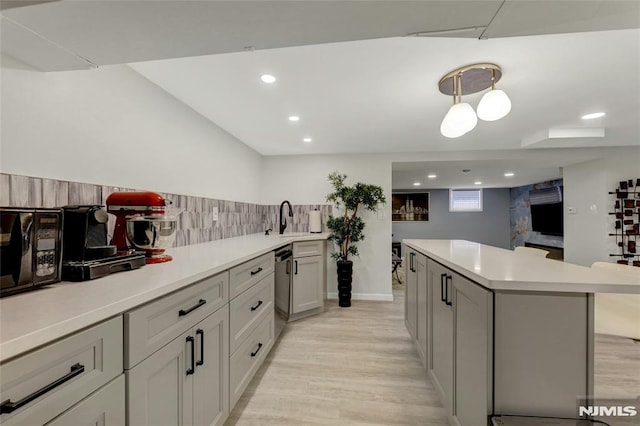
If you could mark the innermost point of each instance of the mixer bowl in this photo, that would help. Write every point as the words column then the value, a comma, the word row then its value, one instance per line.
column 152, row 234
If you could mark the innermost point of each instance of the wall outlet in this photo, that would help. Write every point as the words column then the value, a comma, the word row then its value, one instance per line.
column 215, row 214
column 572, row 210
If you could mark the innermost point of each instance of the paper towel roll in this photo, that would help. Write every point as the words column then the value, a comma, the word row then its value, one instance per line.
column 315, row 222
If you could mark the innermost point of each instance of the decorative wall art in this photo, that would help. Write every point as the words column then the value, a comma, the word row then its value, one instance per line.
column 410, row 206
column 626, row 209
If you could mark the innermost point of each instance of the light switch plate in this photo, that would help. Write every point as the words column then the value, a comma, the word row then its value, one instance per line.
column 215, row 214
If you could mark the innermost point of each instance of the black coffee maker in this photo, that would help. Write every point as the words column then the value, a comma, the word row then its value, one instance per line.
column 85, row 234
column 86, row 253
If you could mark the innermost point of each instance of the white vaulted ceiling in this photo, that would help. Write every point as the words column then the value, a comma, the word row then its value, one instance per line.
column 348, row 69
column 382, row 95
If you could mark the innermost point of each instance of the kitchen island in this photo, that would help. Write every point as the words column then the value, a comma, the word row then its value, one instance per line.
column 503, row 333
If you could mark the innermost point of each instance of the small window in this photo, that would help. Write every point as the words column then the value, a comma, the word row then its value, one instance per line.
column 465, row 200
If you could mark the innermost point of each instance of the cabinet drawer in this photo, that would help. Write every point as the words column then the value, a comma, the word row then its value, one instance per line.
column 248, row 358
column 155, row 324
column 103, row 408
column 308, row 248
column 246, row 310
column 247, row 274
column 87, row 360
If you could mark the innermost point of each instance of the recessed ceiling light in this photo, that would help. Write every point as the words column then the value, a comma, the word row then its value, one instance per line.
column 416, row 183
column 508, row 174
column 432, row 176
column 268, row 78
column 593, row 115
column 294, row 118
column 307, row 140
column 477, row 182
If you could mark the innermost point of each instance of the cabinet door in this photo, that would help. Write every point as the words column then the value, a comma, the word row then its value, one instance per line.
column 420, row 263
column 307, row 284
column 473, row 351
column 103, row 408
column 160, row 390
column 211, row 378
column 441, row 332
column 411, row 293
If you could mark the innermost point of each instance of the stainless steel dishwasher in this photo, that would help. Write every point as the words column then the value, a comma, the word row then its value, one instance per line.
column 283, row 286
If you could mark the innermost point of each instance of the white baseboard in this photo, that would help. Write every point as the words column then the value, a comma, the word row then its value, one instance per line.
column 365, row 296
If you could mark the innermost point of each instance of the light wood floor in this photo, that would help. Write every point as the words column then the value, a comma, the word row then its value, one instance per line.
column 617, row 367
column 358, row 366
column 345, row 367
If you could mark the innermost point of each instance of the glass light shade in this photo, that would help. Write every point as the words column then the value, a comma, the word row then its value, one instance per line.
column 460, row 119
column 494, row 105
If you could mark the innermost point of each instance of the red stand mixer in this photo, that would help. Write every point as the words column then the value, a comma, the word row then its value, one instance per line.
column 142, row 223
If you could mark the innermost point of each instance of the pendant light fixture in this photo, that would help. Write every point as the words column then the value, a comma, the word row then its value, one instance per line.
column 495, row 104
column 461, row 118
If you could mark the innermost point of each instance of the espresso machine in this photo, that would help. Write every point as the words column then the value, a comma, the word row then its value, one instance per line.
column 85, row 236
column 85, row 252
column 143, row 222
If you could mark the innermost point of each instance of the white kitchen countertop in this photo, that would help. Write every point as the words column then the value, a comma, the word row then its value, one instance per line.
column 500, row 269
column 37, row 317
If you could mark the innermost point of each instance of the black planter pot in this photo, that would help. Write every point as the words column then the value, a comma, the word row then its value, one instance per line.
column 345, row 273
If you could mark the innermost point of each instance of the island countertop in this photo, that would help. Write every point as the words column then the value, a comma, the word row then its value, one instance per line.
column 500, row 269
column 29, row 320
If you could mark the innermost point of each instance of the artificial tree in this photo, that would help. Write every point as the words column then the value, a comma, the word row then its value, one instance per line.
column 347, row 228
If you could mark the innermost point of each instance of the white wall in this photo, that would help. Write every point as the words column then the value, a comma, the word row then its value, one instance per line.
column 586, row 187
column 111, row 126
column 303, row 180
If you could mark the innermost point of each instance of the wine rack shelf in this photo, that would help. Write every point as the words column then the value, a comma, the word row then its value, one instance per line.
column 626, row 209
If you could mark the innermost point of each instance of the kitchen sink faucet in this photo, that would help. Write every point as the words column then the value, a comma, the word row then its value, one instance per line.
column 283, row 221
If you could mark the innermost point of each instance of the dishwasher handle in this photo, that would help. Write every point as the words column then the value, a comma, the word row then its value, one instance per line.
column 283, row 255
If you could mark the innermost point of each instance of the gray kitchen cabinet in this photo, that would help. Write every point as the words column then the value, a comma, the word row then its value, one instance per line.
column 248, row 309
column 211, row 378
column 441, row 355
column 422, row 308
column 247, row 274
column 158, row 388
column 37, row 387
column 105, row 407
column 416, row 309
column 177, row 356
column 411, row 292
column 186, row 381
column 250, row 355
column 308, row 277
column 472, row 305
column 251, row 313
column 460, row 348
column 151, row 326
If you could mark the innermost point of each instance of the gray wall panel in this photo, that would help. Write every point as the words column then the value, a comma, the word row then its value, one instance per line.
column 490, row 226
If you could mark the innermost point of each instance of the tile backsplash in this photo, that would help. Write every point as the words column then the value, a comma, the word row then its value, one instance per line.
column 195, row 223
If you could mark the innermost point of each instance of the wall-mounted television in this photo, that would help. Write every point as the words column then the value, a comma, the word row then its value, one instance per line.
column 546, row 210
column 547, row 218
